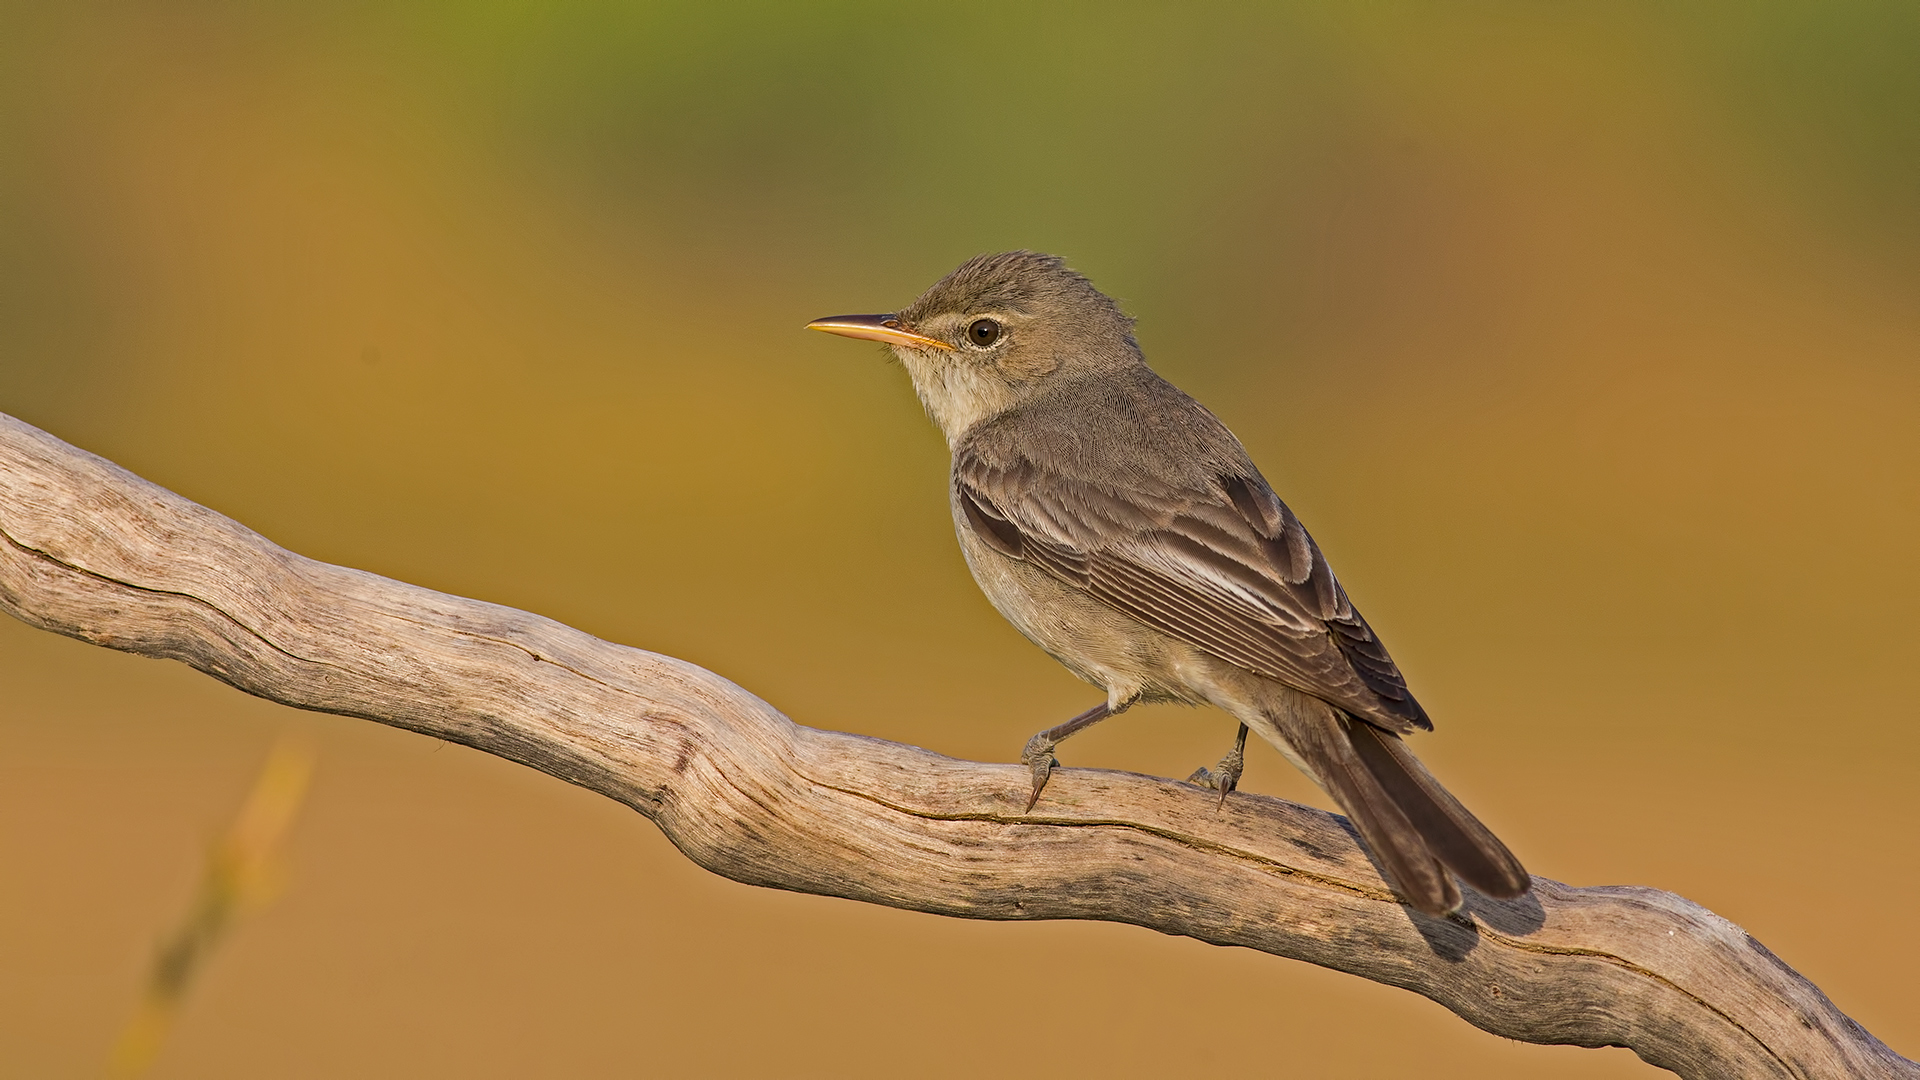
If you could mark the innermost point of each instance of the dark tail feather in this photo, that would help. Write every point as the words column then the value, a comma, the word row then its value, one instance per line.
column 1421, row 834
column 1453, row 834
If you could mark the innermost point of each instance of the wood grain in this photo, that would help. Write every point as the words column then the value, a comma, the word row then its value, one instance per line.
column 94, row 552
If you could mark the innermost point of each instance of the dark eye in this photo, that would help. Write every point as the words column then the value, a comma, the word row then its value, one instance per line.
column 983, row 332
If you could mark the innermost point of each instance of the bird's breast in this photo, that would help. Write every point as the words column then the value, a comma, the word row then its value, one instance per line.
column 1096, row 642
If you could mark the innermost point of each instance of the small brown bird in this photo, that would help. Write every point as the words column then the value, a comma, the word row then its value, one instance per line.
column 1122, row 528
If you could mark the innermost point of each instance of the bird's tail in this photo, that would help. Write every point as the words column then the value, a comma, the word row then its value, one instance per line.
column 1418, row 831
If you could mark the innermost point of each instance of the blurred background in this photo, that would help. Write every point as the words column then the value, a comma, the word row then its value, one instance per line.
column 1583, row 337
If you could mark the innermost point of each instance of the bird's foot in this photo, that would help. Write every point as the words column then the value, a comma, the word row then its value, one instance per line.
column 1039, row 752
column 1226, row 781
column 1039, row 757
column 1230, row 767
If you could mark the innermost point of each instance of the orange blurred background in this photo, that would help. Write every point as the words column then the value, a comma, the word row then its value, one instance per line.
column 1583, row 337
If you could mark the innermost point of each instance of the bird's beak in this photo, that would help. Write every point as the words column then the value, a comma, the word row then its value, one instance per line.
column 887, row 328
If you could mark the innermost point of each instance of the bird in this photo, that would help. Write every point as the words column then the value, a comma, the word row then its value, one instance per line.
column 1119, row 526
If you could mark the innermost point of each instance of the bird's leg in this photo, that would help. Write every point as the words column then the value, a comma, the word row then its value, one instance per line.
column 1230, row 767
column 1039, row 752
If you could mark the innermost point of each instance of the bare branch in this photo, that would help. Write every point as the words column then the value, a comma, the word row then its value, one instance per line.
column 94, row 552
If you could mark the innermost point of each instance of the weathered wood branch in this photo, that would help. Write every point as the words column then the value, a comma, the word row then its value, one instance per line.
column 94, row 552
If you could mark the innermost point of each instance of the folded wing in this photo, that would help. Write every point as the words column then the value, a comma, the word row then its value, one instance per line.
column 1224, row 566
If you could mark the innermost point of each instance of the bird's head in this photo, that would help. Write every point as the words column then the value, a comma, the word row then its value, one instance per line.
column 995, row 333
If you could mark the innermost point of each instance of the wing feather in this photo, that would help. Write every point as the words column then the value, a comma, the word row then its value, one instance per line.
column 1223, row 566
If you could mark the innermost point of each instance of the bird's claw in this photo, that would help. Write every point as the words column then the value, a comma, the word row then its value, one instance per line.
column 1230, row 768
column 1039, row 757
column 1227, row 780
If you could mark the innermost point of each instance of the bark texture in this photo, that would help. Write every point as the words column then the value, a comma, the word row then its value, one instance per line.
column 96, row 553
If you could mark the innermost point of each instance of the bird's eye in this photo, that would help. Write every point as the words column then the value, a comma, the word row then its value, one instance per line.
column 983, row 332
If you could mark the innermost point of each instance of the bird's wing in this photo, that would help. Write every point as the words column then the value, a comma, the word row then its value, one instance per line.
column 1228, row 569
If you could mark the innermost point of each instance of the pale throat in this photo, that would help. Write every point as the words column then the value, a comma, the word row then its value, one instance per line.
column 956, row 395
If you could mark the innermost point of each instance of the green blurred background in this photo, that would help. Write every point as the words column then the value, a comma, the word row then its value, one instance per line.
column 1583, row 336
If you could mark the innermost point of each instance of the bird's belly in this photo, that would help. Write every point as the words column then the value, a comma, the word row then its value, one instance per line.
column 1107, row 648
